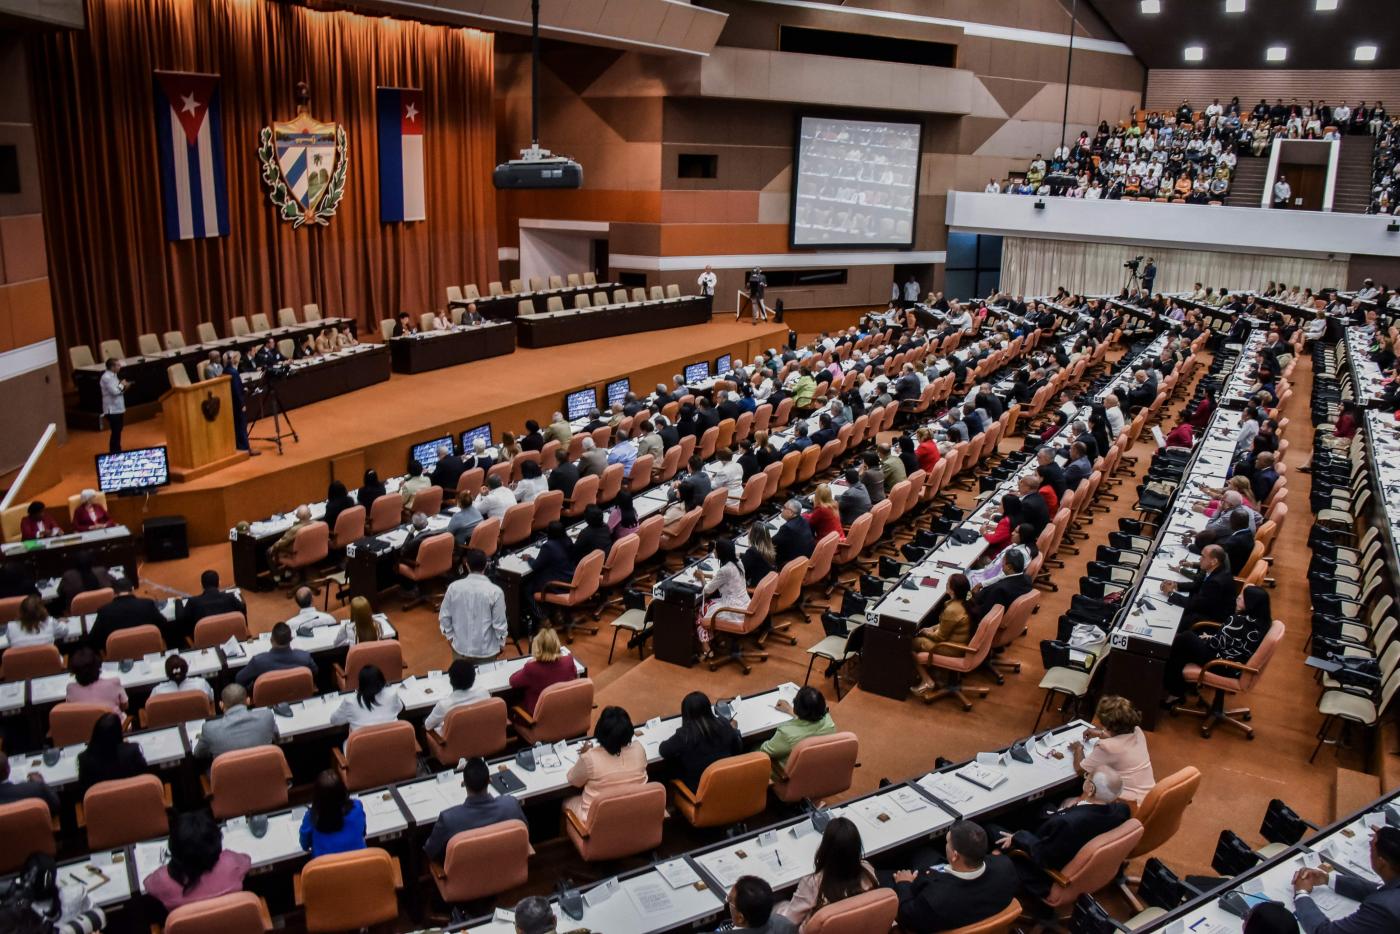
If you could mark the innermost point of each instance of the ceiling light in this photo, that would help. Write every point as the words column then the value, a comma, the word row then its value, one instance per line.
column 1326, row 6
column 1234, row 6
column 1276, row 53
column 1365, row 53
column 1151, row 6
column 1194, row 53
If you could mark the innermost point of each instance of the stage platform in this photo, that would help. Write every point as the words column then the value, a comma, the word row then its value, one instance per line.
column 376, row 427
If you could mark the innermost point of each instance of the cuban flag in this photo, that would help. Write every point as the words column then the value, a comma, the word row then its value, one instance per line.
column 400, row 154
column 190, row 134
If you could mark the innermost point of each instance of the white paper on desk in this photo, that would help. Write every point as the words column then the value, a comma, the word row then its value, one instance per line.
column 505, row 916
column 600, row 892
column 651, row 898
column 909, row 800
column 773, row 860
column 382, row 803
column 232, row 648
column 677, row 873
column 725, row 869
column 950, row 791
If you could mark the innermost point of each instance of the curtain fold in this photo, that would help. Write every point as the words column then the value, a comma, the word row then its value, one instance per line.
column 1031, row 266
column 114, row 275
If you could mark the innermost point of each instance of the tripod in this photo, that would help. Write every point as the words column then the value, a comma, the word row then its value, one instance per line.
column 279, row 414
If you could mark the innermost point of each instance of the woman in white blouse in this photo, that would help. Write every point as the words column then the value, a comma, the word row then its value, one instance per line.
column 376, row 701
column 35, row 626
column 727, row 591
column 362, row 626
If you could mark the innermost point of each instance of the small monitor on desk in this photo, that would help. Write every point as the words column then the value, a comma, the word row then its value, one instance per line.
column 470, row 436
column 618, row 389
column 133, row 471
column 426, row 452
column 724, row 365
column 697, row 372
column 579, row 403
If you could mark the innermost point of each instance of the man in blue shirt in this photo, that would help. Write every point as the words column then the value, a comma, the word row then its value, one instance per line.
column 478, row 810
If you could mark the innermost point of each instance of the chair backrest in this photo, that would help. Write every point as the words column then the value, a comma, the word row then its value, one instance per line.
column 26, row 828
column 174, row 340
column 260, row 322
column 113, row 349
column 287, row 318
column 30, row 661
column 248, row 781
column 712, row 509
column 621, row 563
column 819, row 767
column 486, row 861
column 148, row 344
column 385, row 512
column 486, row 536
column 495, row 289
column 380, row 754
column 310, row 312
column 639, row 294
column 563, row 711
column 175, row 707
column 732, row 789
column 640, row 477
column 1263, row 654
column 517, row 523
column 549, row 506
column 384, row 654
column 133, row 643
column 218, row 629
column 611, row 483
column 649, row 536
column 80, row 355
column 1016, row 618
column 124, row 811
column 475, row 729
column 235, row 913
column 536, row 283
column 386, row 328
column 1096, row 864
column 71, row 722
column 287, row 347
column 860, row 914
column 349, row 891
column 587, row 575
column 90, row 601
column 998, row 923
column 289, row 684
column 178, row 375
column 790, row 580
column 238, row 326
column 434, row 557
column 311, row 544
column 349, row 526
column 1162, row 809
column 624, row 821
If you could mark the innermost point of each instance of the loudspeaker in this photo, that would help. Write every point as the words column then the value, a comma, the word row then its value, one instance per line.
column 166, row 538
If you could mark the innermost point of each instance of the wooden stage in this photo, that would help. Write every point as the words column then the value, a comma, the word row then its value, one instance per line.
column 375, row 427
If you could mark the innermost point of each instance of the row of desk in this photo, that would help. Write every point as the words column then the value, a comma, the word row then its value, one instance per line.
column 549, row 329
column 315, row 379
column 507, row 307
column 1368, row 381
column 44, row 559
column 433, row 350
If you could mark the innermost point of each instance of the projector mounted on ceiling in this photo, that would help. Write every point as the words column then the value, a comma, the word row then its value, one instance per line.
column 536, row 167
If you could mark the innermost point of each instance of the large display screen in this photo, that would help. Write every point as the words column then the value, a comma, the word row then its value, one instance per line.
column 725, row 364
column 470, row 436
column 579, row 403
column 697, row 372
column 426, row 452
column 618, row 389
column 857, row 182
column 140, row 469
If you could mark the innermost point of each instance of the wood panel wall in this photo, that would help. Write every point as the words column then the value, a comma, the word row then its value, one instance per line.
column 1166, row 87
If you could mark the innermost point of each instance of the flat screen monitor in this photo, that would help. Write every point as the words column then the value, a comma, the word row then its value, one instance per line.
column 697, row 372
column 426, row 452
column 857, row 182
column 470, row 436
column 140, row 469
column 725, row 364
column 618, row 389
column 580, row 402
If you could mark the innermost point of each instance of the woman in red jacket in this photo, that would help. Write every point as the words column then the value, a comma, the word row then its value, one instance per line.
column 549, row 666
column 999, row 536
column 824, row 517
column 927, row 452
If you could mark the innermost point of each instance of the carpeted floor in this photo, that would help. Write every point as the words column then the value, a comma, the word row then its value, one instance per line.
column 902, row 739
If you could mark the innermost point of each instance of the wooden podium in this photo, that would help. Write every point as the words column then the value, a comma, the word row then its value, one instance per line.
column 199, row 428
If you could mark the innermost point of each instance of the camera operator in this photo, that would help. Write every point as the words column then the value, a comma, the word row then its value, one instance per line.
column 1149, row 275
column 757, row 282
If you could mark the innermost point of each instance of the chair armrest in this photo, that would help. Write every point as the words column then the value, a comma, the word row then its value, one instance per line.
column 434, row 735
column 398, row 872
column 1227, row 667
column 1056, row 876
column 165, row 795
column 1206, row 623
column 950, row 645
column 684, row 792
column 79, row 815
column 204, row 786
column 520, row 714
column 560, row 585
column 574, row 822
column 296, row 890
column 338, row 759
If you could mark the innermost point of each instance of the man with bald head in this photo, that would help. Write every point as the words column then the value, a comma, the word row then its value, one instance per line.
column 1055, row 842
column 1211, row 596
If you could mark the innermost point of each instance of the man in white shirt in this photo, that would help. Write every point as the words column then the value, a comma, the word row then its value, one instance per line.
column 495, row 499
column 113, row 402
column 462, row 676
column 911, row 291
column 308, row 617
column 473, row 613
column 707, row 281
column 992, row 187
column 725, row 472
column 959, row 319
column 1368, row 290
column 1283, row 192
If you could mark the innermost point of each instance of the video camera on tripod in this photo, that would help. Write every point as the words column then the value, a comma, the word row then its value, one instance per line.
column 1134, row 264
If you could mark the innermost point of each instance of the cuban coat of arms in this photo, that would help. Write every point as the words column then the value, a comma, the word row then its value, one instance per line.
column 303, row 165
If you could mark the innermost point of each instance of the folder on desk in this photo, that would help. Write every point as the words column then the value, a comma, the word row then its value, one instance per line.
column 982, row 776
column 506, row 783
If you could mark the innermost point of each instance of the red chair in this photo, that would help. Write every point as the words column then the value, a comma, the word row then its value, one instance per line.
column 377, row 755
column 611, row 483
column 288, row 685
column 434, row 560
column 750, row 619
column 235, row 913
column 484, row 862
column 176, row 707
column 563, row 711
column 585, row 494
column 90, row 601
column 134, row 643
column 640, row 477
column 215, row 630
column 123, row 811
column 27, row 828
column 384, row 654
column 475, row 729
column 621, row 822
column 566, row 596
column 248, row 781
column 385, row 513
column 549, row 506
column 486, row 536
column 516, row 524
column 31, row 661
column 310, row 547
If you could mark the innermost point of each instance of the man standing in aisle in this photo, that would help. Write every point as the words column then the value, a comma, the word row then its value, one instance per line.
column 1283, row 192
column 114, row 402
column 473, row 613
column 1149, row 275
column 707, row 281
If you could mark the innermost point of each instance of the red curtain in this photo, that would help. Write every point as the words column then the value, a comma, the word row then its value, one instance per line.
column 113, row 272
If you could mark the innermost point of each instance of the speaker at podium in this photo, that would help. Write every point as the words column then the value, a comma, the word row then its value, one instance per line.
column 199, row 428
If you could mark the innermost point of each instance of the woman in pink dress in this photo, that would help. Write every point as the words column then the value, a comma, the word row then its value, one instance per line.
column 199, row 866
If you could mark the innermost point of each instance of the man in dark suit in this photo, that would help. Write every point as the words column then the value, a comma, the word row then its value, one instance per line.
column 908, row 388
column 210, row 601
column 1050, row 471
column 1004, row 590
column 855, row 501
column 532, row 440
column 794, row 539
column 278, row 658
column 972, row 886
column 479, row 809
column 729, row 406
column 1060, row 837
column 1142, row 393
column 706, row 417
column 800, row 441
column 1379, row 910
column 408, row 551
column 827, row 431
column 448, row 470
column 695, row 485
column 127, row 611
column 32, row 786
column 565, row 473
column 1211, row 596
column 1080, row 467
column 990, row 402
column 1035, row 511
column 670, row 437
column 1239, row 544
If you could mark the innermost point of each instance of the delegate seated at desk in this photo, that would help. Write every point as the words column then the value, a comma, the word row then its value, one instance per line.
column 210, row 601
column 1379, row 911
column 127, row 611
column 241, row 727
column 810, row 717
column 279, row 657
column 36, row 525
column 90, row 514
column 1057, row 839
column 478, row 809
column 108, row 756
column 751, row 907
column 35, row 626
column 33, row 786
column 1209, row 597
column 969, row 885
column 838, row 873
column 701, row 740
column 84, row 575
column 335, row 822
column 615, row 762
